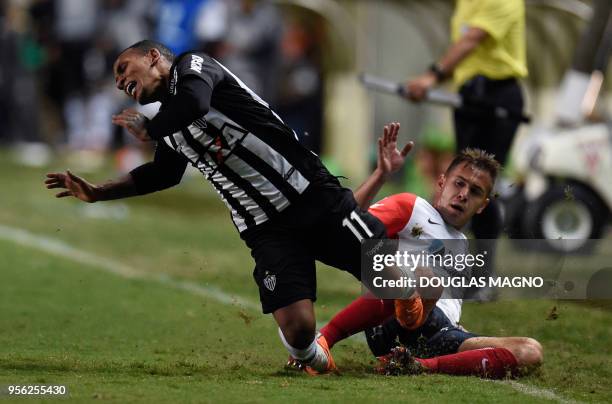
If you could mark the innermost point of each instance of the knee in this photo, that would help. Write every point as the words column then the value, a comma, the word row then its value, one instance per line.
column 299, row 333
column 528, row 353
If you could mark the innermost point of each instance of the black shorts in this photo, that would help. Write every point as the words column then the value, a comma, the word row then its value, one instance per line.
column 326, row 224
column 437, row 336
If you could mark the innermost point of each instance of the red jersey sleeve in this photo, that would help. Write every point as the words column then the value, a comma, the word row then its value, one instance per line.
column 394, row 212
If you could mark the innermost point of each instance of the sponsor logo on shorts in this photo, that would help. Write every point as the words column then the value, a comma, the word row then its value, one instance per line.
column 270, row 281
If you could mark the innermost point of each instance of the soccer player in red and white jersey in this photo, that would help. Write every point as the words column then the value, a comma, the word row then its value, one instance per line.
column 426, row 321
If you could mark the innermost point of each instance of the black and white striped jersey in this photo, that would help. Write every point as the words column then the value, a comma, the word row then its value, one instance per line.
column 252, row 159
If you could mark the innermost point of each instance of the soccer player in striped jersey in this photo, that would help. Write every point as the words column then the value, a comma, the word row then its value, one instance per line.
column 426, row 323
column 289, row 210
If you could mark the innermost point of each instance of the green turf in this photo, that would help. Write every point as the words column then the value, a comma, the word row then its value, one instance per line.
column 124, row 340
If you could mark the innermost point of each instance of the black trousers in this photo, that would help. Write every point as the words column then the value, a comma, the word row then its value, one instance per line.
column 481, row 129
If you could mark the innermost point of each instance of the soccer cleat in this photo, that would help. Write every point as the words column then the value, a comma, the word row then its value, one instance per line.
column 331, row 365
column 382, row 338
column 294, row 365
column 398, row 362
column 299, row 366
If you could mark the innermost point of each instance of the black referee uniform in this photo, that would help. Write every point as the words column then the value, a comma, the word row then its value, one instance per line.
column 287, row 207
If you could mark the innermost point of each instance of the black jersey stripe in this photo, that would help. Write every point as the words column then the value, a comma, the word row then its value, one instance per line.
column 173, row 141
column 196, row 146
column 275, row 134
column 268, row 172
column 241, row 210
column 252, row 192
column 249, row 220
column 233, row 202
column 263, row 202
column 263, row 168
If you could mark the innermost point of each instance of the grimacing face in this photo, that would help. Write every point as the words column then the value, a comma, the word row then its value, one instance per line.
column 138, row 75
column 462, row 193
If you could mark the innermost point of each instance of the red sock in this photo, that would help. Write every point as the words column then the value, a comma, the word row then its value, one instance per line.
column 361, row 314
column 492, row 363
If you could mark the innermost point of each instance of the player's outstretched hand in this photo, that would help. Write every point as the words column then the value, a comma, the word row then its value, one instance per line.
column 390, row 159
column 73, row 185
column 134, row 122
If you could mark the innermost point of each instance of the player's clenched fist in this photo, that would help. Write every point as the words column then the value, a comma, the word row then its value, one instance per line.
column 73, row 185
column 134, row 122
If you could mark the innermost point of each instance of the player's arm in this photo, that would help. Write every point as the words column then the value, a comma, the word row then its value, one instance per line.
column 389, row 161
column 73, row 185
column 454, row 55
column 192, row 101
column 165, row 171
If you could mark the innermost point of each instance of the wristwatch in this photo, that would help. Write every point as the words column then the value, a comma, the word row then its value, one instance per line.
column 438, row 72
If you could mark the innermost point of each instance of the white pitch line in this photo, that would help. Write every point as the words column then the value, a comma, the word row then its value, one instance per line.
column 59, row 248
column 64, row 250
column 536, row 392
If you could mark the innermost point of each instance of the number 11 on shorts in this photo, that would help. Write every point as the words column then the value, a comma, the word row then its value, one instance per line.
column 351, row 223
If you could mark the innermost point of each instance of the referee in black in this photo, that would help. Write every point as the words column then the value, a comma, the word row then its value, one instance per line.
column 288, row 208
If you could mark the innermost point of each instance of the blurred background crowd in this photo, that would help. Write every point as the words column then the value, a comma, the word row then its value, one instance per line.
column 56, row 62
column 302, row 56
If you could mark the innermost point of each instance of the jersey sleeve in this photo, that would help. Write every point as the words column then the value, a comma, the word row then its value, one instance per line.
column 495, row 17
column 201, row 66
column 192, row 101
column 394, row 212
column 165, row 171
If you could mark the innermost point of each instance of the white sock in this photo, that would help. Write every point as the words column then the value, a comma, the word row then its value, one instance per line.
column 313, row 355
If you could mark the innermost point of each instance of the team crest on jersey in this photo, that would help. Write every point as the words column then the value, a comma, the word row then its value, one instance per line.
column 270, row 281
column 196, row 63
column 416, row 231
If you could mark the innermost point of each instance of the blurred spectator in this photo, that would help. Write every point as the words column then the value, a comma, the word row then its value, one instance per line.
column 79, row 68
column 126, row 22
column 68, row 46
column 20, row 58
column 251, row 45
column 211, row 26
column 176, row 24
column 87, row 36
column 300, row 93
column 8, row 54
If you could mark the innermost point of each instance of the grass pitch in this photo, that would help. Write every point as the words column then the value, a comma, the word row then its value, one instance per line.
column 152, row 337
